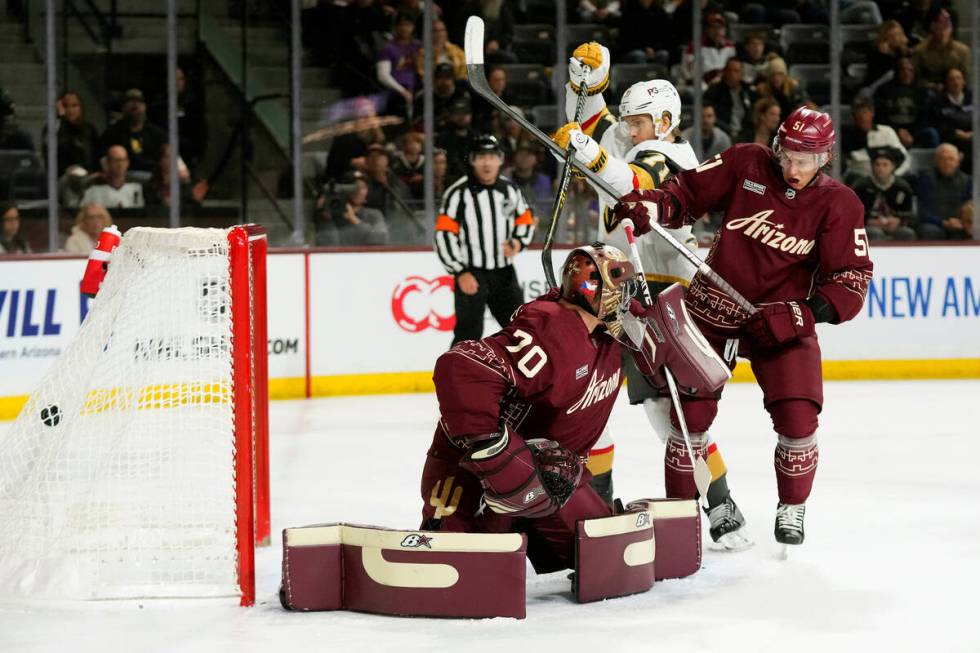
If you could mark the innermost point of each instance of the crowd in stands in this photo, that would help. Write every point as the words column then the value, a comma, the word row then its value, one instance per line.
column 125, row 168
column 905, row 129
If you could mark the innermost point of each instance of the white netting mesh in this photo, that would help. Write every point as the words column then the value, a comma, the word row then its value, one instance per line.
column 117, row 478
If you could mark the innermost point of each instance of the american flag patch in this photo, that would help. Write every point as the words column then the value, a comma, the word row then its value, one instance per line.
column 582, row 371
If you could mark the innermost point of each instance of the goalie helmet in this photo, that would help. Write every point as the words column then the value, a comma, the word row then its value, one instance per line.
column 652, row 98
column 600, row 279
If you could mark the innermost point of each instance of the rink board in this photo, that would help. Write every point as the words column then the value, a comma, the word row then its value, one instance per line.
column 374, row 322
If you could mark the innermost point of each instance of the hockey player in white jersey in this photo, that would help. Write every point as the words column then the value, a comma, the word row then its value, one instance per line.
column 642, row 150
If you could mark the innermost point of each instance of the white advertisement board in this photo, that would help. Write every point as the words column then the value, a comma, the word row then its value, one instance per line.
column 383, row 313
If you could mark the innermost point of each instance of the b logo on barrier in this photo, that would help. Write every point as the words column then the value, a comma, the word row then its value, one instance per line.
column 413, row 304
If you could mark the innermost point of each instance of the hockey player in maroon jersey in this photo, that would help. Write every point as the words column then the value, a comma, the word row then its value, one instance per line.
column 521, row 409
column 793, row 243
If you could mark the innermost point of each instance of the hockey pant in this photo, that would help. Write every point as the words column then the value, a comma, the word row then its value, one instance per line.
column 792, row 386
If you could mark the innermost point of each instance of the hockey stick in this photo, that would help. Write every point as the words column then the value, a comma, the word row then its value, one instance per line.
column 702, row 473
column 566, row 177
column 478, row 82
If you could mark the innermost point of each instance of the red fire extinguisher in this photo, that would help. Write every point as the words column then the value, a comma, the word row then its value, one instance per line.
column 98, row 261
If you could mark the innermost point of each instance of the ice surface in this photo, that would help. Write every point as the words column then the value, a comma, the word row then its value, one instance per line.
column 891, row 561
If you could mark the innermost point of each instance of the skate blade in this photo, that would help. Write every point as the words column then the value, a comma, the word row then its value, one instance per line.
column 732, row 543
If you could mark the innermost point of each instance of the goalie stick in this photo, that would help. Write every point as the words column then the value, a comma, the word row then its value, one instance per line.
column 702, row 473
column 477, row 77
column 566, row 176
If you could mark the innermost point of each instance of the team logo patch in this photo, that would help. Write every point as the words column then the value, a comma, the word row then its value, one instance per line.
column 790, row 193
column 417, row 540
column 759, row 189
column 582, row 371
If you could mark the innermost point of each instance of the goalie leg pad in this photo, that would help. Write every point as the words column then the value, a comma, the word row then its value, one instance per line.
column 677, row 529
column 614, row 556
column 410, row 573
column 556, row 533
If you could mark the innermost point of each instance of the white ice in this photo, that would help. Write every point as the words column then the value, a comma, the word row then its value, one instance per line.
column 891, row 559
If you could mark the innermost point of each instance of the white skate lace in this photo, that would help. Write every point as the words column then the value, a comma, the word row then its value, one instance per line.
column 790, row 517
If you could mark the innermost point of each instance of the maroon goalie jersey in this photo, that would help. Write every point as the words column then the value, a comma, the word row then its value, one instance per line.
column 775, row 244
column 544, row 375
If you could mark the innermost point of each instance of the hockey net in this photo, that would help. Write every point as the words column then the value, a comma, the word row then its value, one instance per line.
column 138, row 467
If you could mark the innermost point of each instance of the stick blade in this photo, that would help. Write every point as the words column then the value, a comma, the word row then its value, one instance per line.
column 473, row 41
column 702, row 476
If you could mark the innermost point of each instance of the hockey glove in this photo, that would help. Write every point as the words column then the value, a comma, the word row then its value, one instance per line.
column 640, row 206
column 512, row 484
column 777, row 324
column 596, row 57
column 587, row 150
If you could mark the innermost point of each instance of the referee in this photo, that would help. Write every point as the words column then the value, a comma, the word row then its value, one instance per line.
column 485, row 222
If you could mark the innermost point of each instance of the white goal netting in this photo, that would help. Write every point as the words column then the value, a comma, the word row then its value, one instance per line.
column 117, row 479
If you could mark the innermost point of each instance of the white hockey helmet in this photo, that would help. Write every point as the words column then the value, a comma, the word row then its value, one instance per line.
column 652, row 98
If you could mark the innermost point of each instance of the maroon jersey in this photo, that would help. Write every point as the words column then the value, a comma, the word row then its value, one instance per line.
column 544, row 375
column 775, row 244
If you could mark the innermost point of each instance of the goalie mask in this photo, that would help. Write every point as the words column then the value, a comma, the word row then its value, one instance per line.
column 600, row 279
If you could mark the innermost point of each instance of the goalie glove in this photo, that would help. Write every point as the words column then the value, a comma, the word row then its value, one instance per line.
column 523, row 479
column 587, row 150
column 596, row 58
column 780, row 323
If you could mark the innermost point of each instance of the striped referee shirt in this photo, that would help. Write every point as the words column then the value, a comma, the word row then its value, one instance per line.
column 476, row 220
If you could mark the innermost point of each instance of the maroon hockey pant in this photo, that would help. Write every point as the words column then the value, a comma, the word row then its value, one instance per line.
column 792, row 384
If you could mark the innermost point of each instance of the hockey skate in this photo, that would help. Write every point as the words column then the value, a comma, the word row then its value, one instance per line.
column 726, row 527
column 789, row 523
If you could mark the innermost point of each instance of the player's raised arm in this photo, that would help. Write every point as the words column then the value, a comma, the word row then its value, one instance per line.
column 591, row 61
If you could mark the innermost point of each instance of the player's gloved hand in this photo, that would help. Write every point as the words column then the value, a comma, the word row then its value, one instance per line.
column 596, row 58
column 639, row 206
column 587, row 150
column 777, row 324
column 512, row 482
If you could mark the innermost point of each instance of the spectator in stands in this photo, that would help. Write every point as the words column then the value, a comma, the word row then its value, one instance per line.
column 715, row 48
column 755, row 62
column 645, row 34
column 387, row 194
column 408, row 163
column 157, row 189
column 732, row 99
column 395, row 67
column 349, row 151
column 483, row 112
column 341, row 33
column 456, row 138
column 940, row 52
column 11, row 242
column 864, row 135
column 91, row 219
column 890, row 43
column 916, row 17
column 498, row 21
column 961, row 228
column 713, row 139
column 536, row 185
column 191, row 125
column 605, row 12
column 766, row 116
column 349, row 221
column 112, row 189
column 78, row 140
column 12, row 135
column 889, row 208
column 952, row 115
column 445, row 91
column 511, row 135
column 440, row 164
column 141, row 138
column 941, row 192
column 903, row 105
column 788, row 92
column 443, row 52
column 73, row 184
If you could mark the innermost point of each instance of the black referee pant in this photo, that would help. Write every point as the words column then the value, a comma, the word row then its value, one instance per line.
column 499, row 290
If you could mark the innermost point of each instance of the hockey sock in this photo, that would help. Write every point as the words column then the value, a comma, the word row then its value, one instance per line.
column 679, row 471
column 796, row 466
